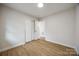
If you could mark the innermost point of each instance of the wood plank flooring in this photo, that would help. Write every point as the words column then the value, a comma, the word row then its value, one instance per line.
column 40, row 48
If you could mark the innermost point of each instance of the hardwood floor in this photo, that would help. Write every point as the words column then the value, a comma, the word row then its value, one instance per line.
column 40, row 48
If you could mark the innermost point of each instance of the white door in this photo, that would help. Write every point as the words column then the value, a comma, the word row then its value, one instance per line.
column 28, row 30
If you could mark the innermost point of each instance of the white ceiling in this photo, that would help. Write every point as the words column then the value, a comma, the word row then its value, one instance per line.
column 32, row 9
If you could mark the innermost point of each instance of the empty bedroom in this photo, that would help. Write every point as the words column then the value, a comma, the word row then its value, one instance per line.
column 39, row 29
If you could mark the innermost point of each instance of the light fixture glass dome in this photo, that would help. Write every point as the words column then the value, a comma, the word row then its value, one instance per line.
column 40, row 5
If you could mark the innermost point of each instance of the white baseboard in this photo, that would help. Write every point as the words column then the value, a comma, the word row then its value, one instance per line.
column 4, row 49
column 60, row 43
column 65, row 45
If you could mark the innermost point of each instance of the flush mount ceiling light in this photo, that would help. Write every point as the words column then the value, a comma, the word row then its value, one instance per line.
column 40, row 5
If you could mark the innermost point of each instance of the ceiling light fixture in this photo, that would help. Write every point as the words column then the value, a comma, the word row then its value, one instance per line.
column 40, row 5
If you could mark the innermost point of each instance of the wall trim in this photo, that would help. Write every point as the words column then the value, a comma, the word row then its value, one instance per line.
column 17, row 45
column 61, row 44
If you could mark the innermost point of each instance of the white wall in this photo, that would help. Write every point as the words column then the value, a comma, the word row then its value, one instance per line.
column 77, row 28
column 60, row 28
column 12, row 28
